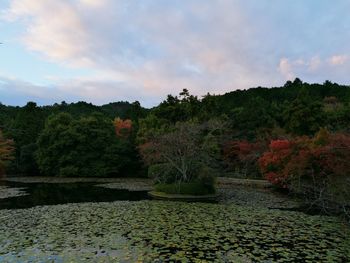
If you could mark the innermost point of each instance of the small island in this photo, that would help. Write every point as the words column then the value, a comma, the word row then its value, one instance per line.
column 181, row 161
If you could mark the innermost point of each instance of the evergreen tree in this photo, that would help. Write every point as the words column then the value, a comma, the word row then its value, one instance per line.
column 87, row 146
column 304, row 116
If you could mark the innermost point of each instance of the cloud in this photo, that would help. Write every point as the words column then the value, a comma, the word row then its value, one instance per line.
column 151, row 48
column 53, row 28
column 338, row 60
column 286, row 68
column 158, row 47
column 314, row 67
column 17, row 92
column 94, row 3
column 315, row 63
column 97, row 90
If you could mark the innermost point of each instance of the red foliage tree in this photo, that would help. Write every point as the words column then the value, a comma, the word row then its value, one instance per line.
column 317, row 167
column 334, row 157
column 271, row 162
column 6, row 152
column 243, row 155
column 280, row 145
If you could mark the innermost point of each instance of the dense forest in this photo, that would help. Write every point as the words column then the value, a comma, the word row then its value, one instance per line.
column 283, row 134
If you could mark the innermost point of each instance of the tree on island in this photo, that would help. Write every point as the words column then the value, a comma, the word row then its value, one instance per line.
column 181, row 160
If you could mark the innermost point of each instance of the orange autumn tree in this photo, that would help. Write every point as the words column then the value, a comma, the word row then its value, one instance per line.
column 6, row 152
column 123, row 128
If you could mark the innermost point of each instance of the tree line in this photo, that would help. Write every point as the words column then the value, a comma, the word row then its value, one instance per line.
column 295, row 109
column 185, row 136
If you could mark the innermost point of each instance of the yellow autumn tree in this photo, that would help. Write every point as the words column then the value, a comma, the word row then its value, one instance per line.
column 122, row 127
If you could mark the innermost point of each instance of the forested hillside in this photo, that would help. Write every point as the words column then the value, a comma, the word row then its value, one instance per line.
column 297, row 108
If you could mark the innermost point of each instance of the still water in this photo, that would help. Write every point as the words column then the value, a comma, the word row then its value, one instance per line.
column 62, row 193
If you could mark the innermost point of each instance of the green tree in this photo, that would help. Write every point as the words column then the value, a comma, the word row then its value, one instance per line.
column 339, row 118
column 27, row 160
column 25, row 130
column 182, row 108
column 253, row 118
column 150, row 127
column 87, row 146
column 55, row 143
column 209, row 107
column 304, row 116
column 28, row 124
column 136, row 111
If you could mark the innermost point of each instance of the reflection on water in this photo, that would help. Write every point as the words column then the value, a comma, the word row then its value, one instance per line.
column 63, row 193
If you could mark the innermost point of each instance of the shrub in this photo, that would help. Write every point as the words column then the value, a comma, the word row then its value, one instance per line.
column 207, row 178
column 162, row 173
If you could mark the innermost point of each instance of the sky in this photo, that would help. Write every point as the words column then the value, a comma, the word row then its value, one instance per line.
column 102, row 51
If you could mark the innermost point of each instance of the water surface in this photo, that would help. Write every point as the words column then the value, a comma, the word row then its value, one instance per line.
column 63, row 193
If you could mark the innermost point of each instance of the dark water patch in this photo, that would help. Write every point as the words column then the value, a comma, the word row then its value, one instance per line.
column 40, row 194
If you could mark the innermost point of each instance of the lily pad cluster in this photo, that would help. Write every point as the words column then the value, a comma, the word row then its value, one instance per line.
column 131, row 185
column 257, row 197
column 156, row 231
column 7, row 192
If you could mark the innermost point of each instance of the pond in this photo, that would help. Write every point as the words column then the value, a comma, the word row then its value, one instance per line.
column 82, row 222
column 38, row 194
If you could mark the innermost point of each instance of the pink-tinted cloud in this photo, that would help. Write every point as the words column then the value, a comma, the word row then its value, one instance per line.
column 338, row 60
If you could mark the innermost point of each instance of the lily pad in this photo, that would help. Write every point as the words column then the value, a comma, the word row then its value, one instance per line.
column 158, row 231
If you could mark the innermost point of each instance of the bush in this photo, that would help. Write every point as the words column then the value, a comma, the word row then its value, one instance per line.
column 162, row 173
column 207, row 177
column 166, row 181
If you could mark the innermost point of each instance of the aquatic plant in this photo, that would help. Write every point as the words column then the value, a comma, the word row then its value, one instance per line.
column 154, row 231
